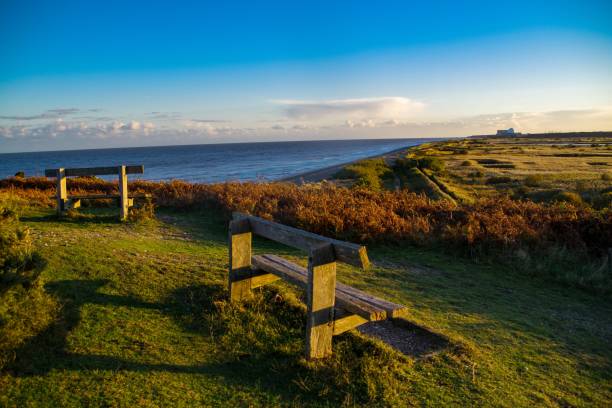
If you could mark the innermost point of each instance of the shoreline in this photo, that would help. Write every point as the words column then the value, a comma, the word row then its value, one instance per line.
column 326, row 173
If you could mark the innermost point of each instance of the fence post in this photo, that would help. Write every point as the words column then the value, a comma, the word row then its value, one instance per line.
column 61, row 191
column 123, row 194
column 240, row 274
column 320, row 300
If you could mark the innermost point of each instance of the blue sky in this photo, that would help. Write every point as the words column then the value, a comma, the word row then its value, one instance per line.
column 104, row 73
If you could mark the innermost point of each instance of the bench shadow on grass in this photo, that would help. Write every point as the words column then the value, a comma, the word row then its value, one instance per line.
column 49, row 350
column 87, row 215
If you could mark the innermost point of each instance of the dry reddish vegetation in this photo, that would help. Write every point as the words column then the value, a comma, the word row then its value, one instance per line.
column 361, row 215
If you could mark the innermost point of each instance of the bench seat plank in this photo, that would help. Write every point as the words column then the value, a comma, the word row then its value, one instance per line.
column 393, row 309
column 348, row 298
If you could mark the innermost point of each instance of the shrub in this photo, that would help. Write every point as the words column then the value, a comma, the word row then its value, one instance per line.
column 606, row 177
column 423, row 162
column 15, row 243
column 603, row 200
column 366, row 173
column 467, row 163
column 487, row 226
column 144, row 212
column 17, row 257
column 569, row 197
column 534, row 180
column 431, row 163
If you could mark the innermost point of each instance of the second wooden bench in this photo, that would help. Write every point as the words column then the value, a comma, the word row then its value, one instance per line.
column 64, row 202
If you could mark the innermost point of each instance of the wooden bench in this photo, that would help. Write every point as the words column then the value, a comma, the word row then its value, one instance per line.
column 125, row 200
column 332, row 307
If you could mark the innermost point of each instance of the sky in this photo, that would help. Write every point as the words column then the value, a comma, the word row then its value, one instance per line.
column 94, row 74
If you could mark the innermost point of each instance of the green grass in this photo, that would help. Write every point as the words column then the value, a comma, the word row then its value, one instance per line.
column 534, row 164
column 136, row 315
column 370, row 173
column 468, row 169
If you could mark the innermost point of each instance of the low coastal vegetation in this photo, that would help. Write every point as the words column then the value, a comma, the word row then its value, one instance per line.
column 94, row 311
column 370, row 173
column 562, row 239
column 543, row 169
column 136, row 314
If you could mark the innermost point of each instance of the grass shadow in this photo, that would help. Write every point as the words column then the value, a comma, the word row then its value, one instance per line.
column 25, row 278
column 79, row 218
column 257, row 344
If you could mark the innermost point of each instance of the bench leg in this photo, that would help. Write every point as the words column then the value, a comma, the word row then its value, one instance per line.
column 74, row 203
column 320, row 295
column 240, row 274
column 123, row 194
column 61, row 191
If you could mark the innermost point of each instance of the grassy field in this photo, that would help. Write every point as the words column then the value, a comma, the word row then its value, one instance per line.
column 543, row 170
column 136, row 315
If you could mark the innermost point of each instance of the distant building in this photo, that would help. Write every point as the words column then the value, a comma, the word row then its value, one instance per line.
column 506, row 132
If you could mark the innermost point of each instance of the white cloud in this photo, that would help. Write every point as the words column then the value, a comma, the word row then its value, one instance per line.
column 389, row 107
column 63, row 132
column 133, row 125
column 363, row 123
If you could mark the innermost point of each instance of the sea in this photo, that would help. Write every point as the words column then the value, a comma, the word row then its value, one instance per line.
column 210, row 163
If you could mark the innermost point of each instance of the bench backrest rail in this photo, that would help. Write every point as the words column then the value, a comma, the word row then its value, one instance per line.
column 94, row 171
column 346, row 252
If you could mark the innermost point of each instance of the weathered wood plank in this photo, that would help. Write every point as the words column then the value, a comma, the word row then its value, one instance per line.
column 346, row 321
column 95, row 171
column 393, row 310
column 239, row 262
column 72, row 203
column 299, row 276
column 262, row 278
column 320, row 299
column 346, row 252
column 61, row 191
column 123, row 193
column 292, row 275
column 249, row 278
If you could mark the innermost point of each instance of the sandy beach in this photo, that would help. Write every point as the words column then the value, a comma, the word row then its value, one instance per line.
column 327, row 173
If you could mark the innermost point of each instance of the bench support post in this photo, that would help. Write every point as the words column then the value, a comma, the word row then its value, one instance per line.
column 61, row 191
column 320, row 295
column 240, row 273
column 123, row 194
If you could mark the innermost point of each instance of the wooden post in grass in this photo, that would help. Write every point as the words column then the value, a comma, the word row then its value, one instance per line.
column 123, row 194
column 320, row 299
column 61, row 191
column 239, row 259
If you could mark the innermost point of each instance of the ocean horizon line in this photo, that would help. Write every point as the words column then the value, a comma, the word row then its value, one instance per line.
column 235, row 143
